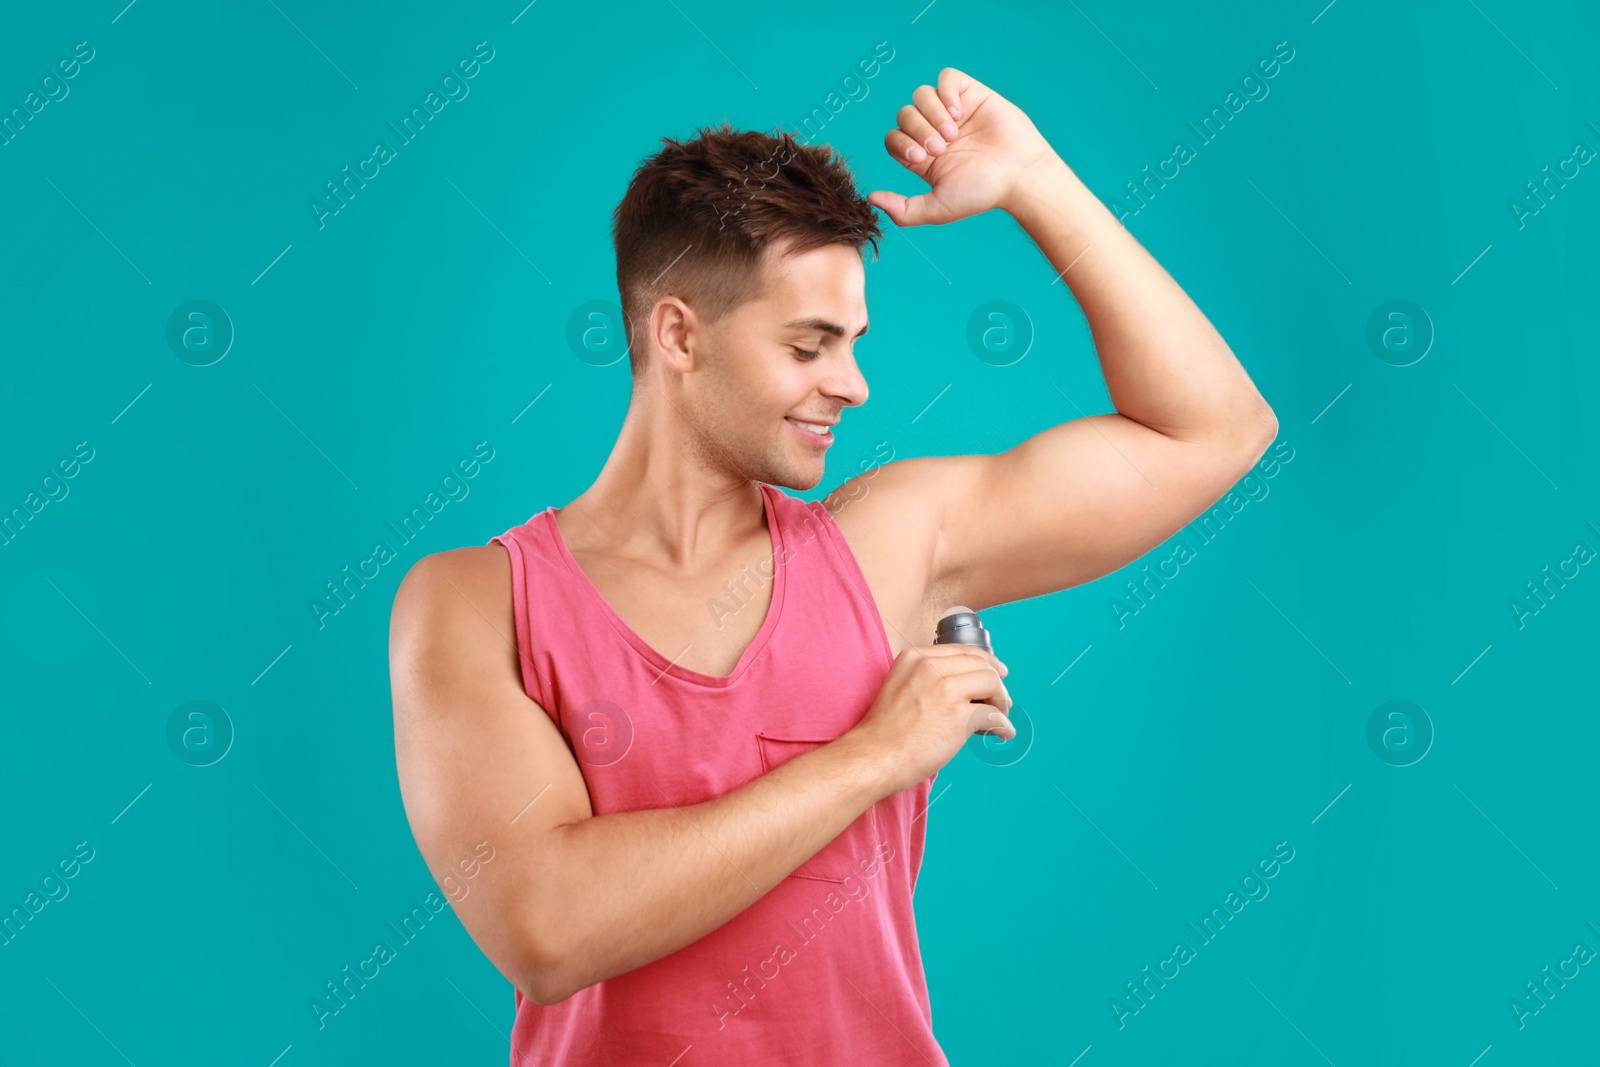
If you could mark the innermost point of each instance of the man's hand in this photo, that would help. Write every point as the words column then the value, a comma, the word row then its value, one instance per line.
column 972, row 145
column 924, row 711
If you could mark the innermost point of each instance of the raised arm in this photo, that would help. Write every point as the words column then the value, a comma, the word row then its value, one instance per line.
column 571, row 898
column 1084, row 497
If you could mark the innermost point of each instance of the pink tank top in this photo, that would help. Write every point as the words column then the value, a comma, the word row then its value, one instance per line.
column 825, row 967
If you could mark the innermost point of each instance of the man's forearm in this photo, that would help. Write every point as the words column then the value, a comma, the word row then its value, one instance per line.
column 1165, row 365
column 618, row 891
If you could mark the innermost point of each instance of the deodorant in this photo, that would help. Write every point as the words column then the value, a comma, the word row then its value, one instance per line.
column 961, row 626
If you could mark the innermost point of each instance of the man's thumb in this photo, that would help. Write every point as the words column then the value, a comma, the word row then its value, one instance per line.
column 902, row 209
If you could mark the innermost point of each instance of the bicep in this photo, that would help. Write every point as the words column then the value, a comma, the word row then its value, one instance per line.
column 1072, row 503
column 483, row 770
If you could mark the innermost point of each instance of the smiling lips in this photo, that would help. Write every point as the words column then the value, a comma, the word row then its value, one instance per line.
column 816, row 432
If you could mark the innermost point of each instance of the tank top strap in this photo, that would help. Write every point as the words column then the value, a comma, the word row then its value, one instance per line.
column 538, row 578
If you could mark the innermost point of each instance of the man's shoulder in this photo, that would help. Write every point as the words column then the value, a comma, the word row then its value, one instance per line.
column 473, row 564
column 890, row 516
column 444, row 588
column 895, row 504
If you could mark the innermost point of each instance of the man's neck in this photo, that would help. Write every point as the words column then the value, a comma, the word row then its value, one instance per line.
column 681, row 524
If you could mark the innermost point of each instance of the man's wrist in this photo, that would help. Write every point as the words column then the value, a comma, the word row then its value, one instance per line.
column 873, row 769
column 1050, row 190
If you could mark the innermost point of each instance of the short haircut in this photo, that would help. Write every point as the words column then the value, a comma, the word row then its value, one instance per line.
column 699, row 214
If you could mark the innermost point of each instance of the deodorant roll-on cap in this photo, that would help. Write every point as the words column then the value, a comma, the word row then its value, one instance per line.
column 960, row 626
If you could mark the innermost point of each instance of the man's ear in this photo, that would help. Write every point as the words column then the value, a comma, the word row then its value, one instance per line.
column 669, row 335
column 675, row 330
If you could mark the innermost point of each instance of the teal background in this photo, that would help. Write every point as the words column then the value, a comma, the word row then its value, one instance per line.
column 1229, row 714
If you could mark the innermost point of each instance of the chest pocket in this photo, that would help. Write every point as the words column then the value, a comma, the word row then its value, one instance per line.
column 845, row 854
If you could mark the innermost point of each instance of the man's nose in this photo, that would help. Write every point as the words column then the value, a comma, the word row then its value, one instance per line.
column 848, row 383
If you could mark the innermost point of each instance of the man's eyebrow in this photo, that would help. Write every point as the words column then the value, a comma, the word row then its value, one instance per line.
column 824, row 325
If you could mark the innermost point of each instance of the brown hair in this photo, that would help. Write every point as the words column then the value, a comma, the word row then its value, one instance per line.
column 698, row 215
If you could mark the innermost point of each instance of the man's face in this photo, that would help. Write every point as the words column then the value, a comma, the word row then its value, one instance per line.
column 759, row 378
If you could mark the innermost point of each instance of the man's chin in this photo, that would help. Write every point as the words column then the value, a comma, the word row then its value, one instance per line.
column 799, row 477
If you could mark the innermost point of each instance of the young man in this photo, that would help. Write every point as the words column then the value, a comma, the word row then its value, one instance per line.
column 696, row 718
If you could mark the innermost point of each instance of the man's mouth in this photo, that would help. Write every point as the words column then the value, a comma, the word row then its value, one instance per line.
column 813, row 431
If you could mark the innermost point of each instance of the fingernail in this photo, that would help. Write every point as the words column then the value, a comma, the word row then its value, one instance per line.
column 948, row 129
column 915, row 153
column 934, row 143
column 955, row 110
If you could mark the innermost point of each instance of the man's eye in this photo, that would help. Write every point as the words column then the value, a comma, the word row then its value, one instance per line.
column 803, row 352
